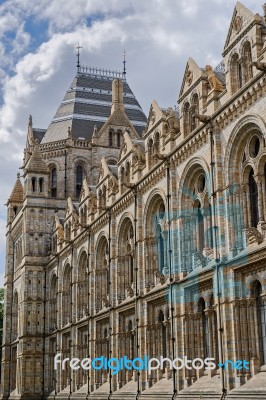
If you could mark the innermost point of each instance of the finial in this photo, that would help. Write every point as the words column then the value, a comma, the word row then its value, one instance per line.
column 18, row 176
column 124, row 62
column 69, row 132
column 30, row 120
column 78, row 47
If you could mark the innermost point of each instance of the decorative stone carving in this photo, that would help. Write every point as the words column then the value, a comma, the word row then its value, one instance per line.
column 213, row 80
column 112, row 185
column 198, row 260
column 130, row 291
column 237, row 23
column 189, row 77
column 252, row 235
column 105, row 301
column 208, row 253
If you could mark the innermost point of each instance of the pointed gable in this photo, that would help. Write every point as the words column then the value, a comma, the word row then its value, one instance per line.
column 155, row 115
column 36, row 163
column 192, row 74
column 17, row 192
column 241, row 19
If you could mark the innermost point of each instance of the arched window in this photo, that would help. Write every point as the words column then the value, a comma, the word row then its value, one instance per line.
column 131, row 340
column 163, row 334
column 118, row 135
column 194, row 109
column 150, row 153
column 33, row 184
column 125, row 272
column 236, row 73
column 186, row 119
column 205, row 328
column 53, row 182
column 261, row 317
column 199, row 227
column 15, row 317
column 101, row 274
column 247, row 59
column 40, row 185
column 66, row 300
column 83, row 286
column 253, row 198
column 160, row 248
column 79, row 179
column 53, row 305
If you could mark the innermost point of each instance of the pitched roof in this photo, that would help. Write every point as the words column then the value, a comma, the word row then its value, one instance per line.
column 17, row 192
column 87, row 103
column 36, row 162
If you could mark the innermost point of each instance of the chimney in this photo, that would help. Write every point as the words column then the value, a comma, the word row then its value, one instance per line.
column 117, row 95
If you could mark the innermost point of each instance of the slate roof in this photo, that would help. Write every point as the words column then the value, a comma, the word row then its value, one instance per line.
column 87, row 103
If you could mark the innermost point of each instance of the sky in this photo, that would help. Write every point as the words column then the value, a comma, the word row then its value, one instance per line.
column 38, row 58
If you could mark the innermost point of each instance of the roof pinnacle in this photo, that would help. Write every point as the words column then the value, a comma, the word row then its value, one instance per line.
column 78, row 47
column 124, row 62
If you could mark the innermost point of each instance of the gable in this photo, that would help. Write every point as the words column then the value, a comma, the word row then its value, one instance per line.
column 191, row 75
column 155, row 115
column 241, row 19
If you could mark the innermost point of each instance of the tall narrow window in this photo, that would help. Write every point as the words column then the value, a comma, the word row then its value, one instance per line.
column 110, row 138
column 163, row 334
column 253, row 196
column 41, row 185
column 186, row 119
column 33, row 184
column 79, row 179
column 118, row 139
column 247, row 59
column 205, row 328
column 261, row 317
column 131, row 336
column 194, row 109
column 53, row 180
column 200, row 229
column 160, row 247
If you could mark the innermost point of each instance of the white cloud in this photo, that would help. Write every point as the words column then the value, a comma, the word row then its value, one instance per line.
column 158, row 35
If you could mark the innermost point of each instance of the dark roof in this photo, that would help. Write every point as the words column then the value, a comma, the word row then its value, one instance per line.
column 88, row 103
column 38, row 134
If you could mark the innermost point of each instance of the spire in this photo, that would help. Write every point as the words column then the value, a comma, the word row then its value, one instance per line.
column 124, row 70
column 17, row 192
column 78, row 47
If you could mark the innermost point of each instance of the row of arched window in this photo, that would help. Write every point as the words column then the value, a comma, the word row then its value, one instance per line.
column 115, row 138
column 241, row 68
column 79, row 176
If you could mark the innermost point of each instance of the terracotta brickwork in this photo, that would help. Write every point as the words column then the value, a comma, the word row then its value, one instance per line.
column 129, row 245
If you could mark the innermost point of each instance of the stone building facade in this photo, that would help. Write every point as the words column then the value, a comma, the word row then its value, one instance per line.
column 132, row 237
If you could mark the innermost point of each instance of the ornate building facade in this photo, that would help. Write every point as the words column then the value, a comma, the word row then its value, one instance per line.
column 134, row 237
